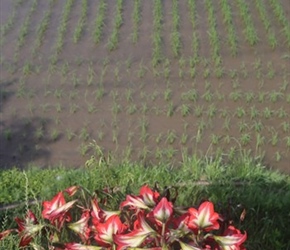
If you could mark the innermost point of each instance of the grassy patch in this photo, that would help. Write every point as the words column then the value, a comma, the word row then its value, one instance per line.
column 241, row 184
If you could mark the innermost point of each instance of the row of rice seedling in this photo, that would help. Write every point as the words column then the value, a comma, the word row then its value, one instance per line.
column 42, row 28
column 99, row 22
column 195, row 41
column 136, row 18
column 260, row 5
column 118, row 21
column 81, row 22
column 7, row 26
column 175, row 35
column 157, row 26
column 250, row 31
column 59, row 43
column 228, row 20
column 213, row 34
column 281, row 16
column 24, row 29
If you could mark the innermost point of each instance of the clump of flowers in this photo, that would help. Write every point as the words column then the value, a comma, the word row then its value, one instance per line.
column 145, row 221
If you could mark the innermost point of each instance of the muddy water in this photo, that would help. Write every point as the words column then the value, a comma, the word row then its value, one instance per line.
column 51, row 113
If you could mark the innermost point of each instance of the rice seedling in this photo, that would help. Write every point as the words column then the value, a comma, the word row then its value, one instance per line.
column 214, row 139
column 167, row 94
column 58, row 107
column 208, row 96
column 170, row 109
column 24, row 27
column 185, row 110
column 271, row 36
column 258, row 126
column 281, row 16
column 81, row 22
column 169, row 152
column 250, row 31
column 212, row 32
column 84, row 134
column 136, row 17
column 171, row 136
column 285, row 126
column 70, row 134
column 39, row 133
column 245, row 139
column 274, row 137
column 54, row 135
column 41, row 29
column 118, row 21
column 158, row 138
column 287, row 142
column 132, row 108
column 227, row 124
column 184, row 138
column 267, row 112
column 243, row 126
column 157, row 26
column 99, row 22
column 240, row 112
column 235, row 95
column 175, row 36
column 228, row 20
column 116, row 108
column 74, row 108
column 260, row 141
column 211, row 112
column 198, row 110
column 62, row 30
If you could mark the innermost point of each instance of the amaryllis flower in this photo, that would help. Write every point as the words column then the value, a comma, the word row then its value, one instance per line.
column 81, row 226
column 77, row 246
column 106, row 231
column 5, row 233
column 145, row 200
column 163, row 211
column 99, row 215
column 27, row 228
column 204, row 218
column 72, row 190
column 57, row 209
column 232, row 239
column 137, row 236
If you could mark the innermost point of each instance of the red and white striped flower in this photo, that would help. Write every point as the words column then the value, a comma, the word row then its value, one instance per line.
column 136, row 237
column 232, row 239
column 106, row 231
column 27, row 228
column 204, row 218
column 81, row 226
column 57, row 209
column 163, row 211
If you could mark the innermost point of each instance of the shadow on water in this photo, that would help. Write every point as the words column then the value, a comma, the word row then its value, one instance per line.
column 21, row 139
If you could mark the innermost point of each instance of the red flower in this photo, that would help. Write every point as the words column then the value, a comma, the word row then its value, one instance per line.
column 137, row 236
column 5, row 233
column 72, row 190
column 77, row 246
column 56, row 210
column 232, row 239
column 145, row 200
column 27, row 228
column 99, row 215
column 204, row 218
column 163, row 211
column 106, row 231
column 81, row 226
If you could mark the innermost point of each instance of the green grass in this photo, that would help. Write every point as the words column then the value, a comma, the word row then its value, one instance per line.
column 242, row 183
